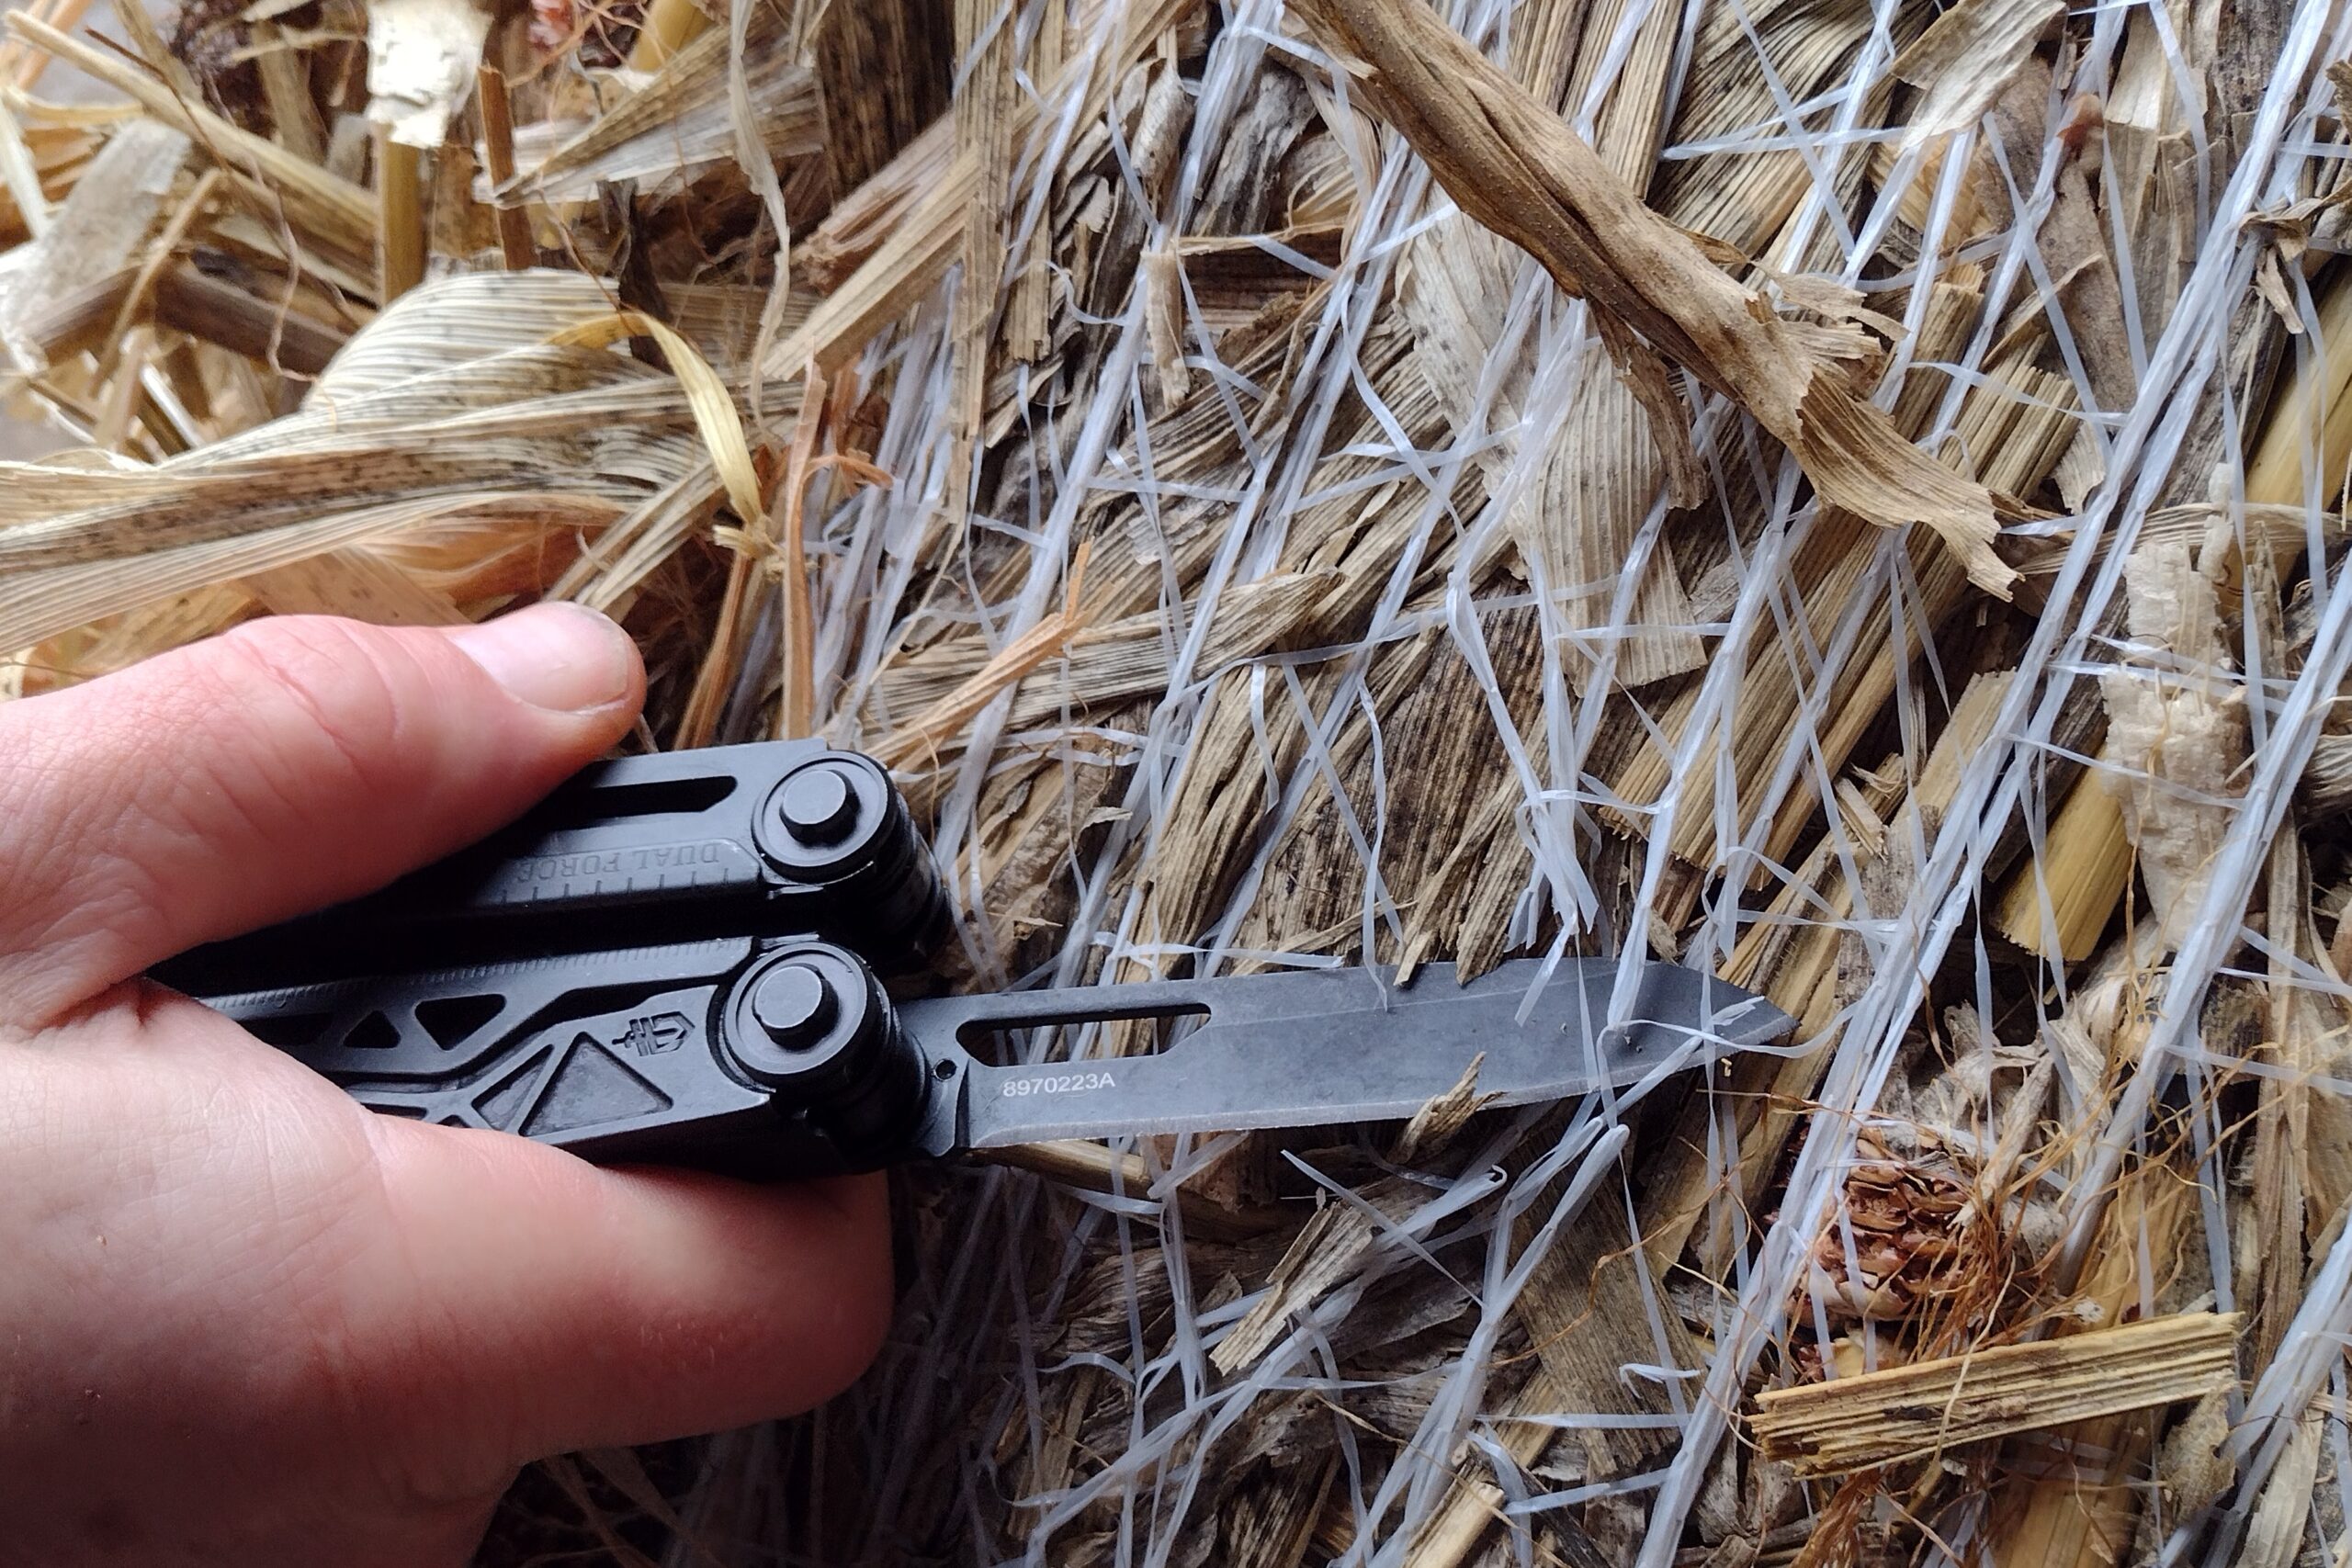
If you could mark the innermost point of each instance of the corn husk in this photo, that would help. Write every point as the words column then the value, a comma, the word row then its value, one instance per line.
column 1844, row 496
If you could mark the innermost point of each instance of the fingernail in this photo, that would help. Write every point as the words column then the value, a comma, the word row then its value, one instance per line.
column 557, row 656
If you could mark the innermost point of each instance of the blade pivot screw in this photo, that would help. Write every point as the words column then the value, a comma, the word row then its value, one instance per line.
column 818, row 805
column 795, row 1005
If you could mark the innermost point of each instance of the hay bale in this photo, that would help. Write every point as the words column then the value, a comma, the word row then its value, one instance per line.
column 1367, row 482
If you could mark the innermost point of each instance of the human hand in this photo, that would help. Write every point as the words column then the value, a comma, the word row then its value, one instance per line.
column 242, row 1320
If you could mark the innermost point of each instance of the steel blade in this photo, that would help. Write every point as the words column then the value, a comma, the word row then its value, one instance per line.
column 1310, row 1047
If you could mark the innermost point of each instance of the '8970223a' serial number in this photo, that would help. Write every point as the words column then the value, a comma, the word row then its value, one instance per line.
column 1058, row 1083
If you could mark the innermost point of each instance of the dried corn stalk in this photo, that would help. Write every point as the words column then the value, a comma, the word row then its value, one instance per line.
column 1900, row 1413
column 1354, row 482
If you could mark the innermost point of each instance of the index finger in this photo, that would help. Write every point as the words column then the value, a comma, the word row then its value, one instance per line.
column 288, row 765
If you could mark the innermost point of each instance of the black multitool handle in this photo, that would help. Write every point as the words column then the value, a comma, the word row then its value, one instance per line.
column 777, row 838
column 761, row 1057
column 594, row 975
column 675, row 959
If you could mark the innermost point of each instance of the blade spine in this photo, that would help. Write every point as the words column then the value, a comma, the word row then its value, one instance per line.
column 1263, row 1120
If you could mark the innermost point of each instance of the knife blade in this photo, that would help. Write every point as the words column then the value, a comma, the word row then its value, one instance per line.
column 1313, row 1047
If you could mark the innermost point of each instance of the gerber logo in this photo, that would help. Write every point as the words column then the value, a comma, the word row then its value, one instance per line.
column 655, row 1033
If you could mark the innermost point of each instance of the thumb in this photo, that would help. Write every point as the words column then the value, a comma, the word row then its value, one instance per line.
column 286, row 765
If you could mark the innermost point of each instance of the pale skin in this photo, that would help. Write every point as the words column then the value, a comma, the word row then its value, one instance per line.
column 241, row 1320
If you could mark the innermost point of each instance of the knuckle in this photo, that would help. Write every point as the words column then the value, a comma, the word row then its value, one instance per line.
column 37, row 783
column 343, row 693
column 63, row 796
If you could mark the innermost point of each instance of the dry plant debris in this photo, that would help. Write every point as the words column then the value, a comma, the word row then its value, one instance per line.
column 1910, row 1412
column 1843, row 493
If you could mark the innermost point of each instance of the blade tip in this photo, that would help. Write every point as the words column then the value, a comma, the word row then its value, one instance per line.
column 1762, row 1023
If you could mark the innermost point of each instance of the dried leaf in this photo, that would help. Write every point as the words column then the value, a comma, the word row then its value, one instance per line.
column 1519, row 171
column 713, row 405
column 1966, row 58
column 2176, row 729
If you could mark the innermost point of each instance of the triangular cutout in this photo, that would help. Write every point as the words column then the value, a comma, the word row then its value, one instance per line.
column 289, row 1031
column 374, row 1032
column 503, row 1101
column 450, row 1019
column 591, row 1088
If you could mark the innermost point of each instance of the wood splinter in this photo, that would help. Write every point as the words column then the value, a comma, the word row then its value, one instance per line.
column 1907, row 1413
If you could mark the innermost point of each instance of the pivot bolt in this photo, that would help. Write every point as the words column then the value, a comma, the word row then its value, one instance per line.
column 794, row 1004
column 818, row 805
